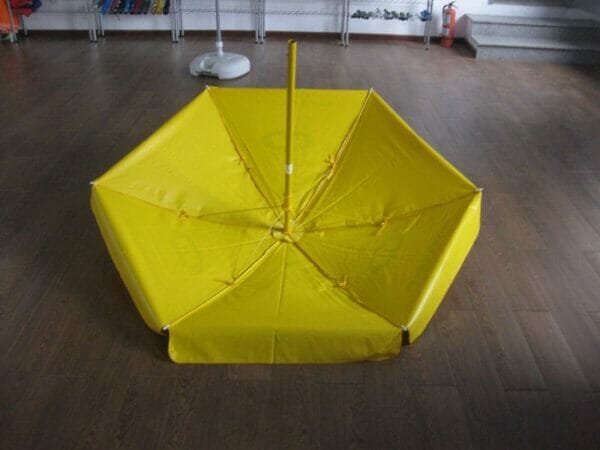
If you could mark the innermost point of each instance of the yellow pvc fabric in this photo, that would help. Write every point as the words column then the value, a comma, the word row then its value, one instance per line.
column 193, row 221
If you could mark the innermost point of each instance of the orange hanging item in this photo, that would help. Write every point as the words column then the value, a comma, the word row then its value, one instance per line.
column 9, row 21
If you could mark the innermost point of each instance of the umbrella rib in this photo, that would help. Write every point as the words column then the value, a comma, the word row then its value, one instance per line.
column 245, row 273
column 412, row 212
column 349, row 294
column 279, row 301
column 182, row 213
column 342, row 197
column 233, row 211
column 325, row 180
column 266, row 235
column 252, row 169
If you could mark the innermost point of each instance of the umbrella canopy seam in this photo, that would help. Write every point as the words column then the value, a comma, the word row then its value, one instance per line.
column 183, row 214
column 279, row 301
column 470, row 217
column 373, row 96
column 114, row 247
column 343, row 286
column 231, row 284
column 320, row 186
column 245, row 156
column 433, row 152
column 342, row 197
column 309, row 195
column 393, row 217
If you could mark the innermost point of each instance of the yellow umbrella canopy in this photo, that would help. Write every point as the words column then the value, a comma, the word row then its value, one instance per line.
column 286, row 226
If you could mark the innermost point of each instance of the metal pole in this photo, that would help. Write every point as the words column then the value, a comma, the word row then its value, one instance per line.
column 347, row 40
column 100, row 23
column 173, row 29
column 90, row 18
column 426, row 26
column 13, row 33
column 218, row 18
column 256, row 20
column 95, row 24
column 93, row 21
column 343, row 26
column 173, row 20
column 289, row 134
column 24, row 25
column 429, row 23
column 263, row 14
column 181, row 18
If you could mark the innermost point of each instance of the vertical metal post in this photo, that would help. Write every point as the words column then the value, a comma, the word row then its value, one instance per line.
column 173, row 28
column 99, row 26
column 263, row 14
column 428, row 25
column 259, row 21
column 256, row 21
column 262, row 21
column 347, row 21
column 178, row 18
column 93, row 21
column 13, row 32
column 90, row 18
column 343, row 24
column 289, row 134
column 182, row 30
column 23, row 25
column 218, row 19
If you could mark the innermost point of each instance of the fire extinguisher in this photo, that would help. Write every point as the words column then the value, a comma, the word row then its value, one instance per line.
column 448, row 24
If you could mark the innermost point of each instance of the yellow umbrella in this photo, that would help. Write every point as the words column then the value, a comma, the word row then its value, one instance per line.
column 286, row 226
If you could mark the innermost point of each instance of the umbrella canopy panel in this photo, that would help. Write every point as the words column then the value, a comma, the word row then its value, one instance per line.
column 380, row 224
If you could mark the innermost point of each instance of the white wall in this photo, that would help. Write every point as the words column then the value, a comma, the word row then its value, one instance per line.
column 51, row 16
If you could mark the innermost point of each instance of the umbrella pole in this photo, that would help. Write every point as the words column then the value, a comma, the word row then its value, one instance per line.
column 218, row 21
column 289, row 133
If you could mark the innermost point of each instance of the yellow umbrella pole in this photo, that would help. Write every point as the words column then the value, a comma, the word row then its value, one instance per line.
column 289, row 133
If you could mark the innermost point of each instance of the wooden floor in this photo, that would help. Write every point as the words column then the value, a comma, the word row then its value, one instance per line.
column 511, row 359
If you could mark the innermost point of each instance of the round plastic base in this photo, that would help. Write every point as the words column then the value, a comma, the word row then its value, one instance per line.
column 224, row 66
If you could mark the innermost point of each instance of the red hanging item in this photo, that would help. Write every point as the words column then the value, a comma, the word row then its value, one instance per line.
column 22, row 7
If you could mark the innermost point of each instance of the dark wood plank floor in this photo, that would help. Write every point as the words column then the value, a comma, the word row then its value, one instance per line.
column 511, row 360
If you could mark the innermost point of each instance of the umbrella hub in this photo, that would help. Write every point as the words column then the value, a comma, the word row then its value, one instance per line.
column 288, row 237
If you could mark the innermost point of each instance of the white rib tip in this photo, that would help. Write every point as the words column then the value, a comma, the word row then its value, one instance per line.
column 92, row 183
column 165, row 329
column 479, row 189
